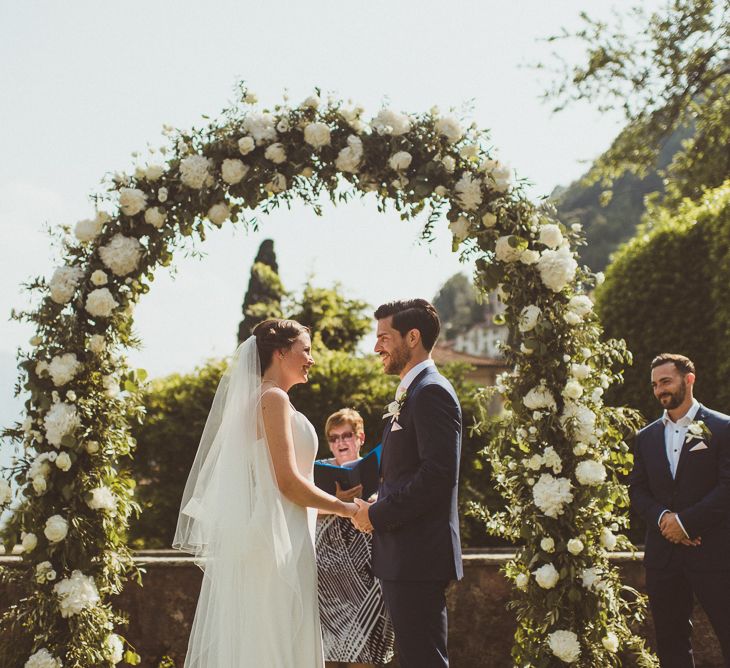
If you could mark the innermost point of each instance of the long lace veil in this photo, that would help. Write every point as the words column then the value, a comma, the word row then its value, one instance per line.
column 234, row 520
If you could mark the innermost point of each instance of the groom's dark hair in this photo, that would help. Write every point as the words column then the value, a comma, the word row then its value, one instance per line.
column 683, row 364
column 411, row 314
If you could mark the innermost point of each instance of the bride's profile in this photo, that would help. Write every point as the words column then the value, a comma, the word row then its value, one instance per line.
column 248, row 512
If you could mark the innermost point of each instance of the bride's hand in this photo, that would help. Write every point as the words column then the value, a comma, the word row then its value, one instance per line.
column 347, row 509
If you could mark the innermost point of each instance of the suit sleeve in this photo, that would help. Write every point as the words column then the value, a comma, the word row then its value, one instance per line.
column 642, row 500
column 714, row 507
column 438, row 432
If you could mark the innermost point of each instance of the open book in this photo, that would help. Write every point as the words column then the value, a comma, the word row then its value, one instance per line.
column 365, row 472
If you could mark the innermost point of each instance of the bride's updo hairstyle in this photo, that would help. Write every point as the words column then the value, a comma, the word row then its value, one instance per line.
column 273, row 335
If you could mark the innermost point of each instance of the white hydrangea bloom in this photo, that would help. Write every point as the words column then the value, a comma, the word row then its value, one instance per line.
column 450, row 128
column 195, row 170
column 552, row 494
column 132, row 201
column 155, row 216
column 219, row 213
column 501, row 177
column 546, row 576
column 400, row 161
column 468, row 192
column 550, row 235
column 42, row 659
column 317, row 134
column 276, row 153
column 529, row 317
column 389, row 122
column 557, row 268
column 63, row 368
column 233, row 170
column 122, row 254
column 76, row 593
column 56, row 529
column 590, row 472
column 349, row 158
column 261, row 126
column 102, row 498
column 64, row 282
column 564, row 645
column 61, row 419
column 100, row 303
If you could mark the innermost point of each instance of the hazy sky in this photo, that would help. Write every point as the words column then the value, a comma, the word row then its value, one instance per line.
column 84, row 84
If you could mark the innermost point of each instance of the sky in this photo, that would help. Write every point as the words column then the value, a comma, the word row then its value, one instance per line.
column 85, row 83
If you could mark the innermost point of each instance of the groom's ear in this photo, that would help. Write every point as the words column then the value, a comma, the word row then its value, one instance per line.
column 413, row 338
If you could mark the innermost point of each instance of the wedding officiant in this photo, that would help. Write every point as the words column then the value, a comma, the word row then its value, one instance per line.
column 356, row 630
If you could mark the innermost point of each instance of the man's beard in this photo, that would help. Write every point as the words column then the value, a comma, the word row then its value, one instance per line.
column 397, row 360
column 676, row 398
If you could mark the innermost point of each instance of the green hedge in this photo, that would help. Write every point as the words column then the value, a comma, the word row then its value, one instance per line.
column 667, row 291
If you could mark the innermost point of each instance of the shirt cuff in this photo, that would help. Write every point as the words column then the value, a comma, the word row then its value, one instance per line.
column 681, row 526
column 664, row 512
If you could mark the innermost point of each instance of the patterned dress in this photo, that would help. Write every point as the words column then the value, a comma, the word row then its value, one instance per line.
column 355, row 626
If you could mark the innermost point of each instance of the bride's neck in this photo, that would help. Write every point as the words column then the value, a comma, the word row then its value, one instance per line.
column 273, row 379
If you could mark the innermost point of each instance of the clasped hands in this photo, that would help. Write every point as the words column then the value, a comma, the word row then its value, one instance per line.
column 360, row 518
column 672, row 531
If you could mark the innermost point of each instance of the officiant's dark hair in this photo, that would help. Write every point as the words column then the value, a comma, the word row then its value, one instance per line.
column 411, row 314
column 276, row 334
column 683, row 364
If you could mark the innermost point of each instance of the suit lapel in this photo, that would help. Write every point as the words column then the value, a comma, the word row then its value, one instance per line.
column 689, row 444
column 660, row 445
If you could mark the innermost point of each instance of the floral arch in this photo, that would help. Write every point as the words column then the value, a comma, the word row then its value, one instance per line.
column 556, row 458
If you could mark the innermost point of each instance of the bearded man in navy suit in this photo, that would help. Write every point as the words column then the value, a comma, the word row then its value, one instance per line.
column 416, row 546
column 680, row 485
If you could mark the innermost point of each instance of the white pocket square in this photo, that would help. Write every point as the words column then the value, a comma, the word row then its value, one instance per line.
column 395, row 427
column 700, row 446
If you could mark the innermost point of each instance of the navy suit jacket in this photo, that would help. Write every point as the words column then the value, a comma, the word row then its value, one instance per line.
column 699, row 493
column 416, row 519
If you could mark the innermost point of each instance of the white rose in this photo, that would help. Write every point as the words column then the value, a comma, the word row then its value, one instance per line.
column 61, row 419
column 122, row 254
column 580, row 371
column 114, row 648
column 449, row 163
column 162, row 194
column 102, row 498
column 283, row 126
column 590, row 472
column 42, row 659
column 132, row 201
column 63, row 368
column 97, row 345
column 610, row 642
column 276, row 153
column 389, row 122
column 400, row 160
column 521, row 581
column 155, row 216
column 56, row 529
column 552, row 494
column 546, row 576
column 218, row 213
column 460, row 228
column 88, row 230
column 578, row 418
column 529, row 257
column 468, row 192
column 500, row 178
column 575, row 546
column 580, row 305
column 194, row 171
column 63, row 283
column 233, row 170
column 580, row 449
column 100, row 303
column 92, row 447
column 154, row 172
column 505, row 251
column 246, row 145
column 550, row 235
column 547, row 544
column 28, row 541
column 608, row 539
column 539, row 397
column 63, row 461
column 349, row 158
column 572, row 390
column 39, row 484
column 564, row 645
column 557, row 268
column 450, row 128
column 76, row 593
column 529, row 317
column 317, row 135
column 261, row 126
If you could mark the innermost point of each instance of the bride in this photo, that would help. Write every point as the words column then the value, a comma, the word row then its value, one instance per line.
column 248, row 512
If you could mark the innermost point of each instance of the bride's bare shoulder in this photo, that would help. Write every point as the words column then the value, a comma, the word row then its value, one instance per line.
column 275, row 400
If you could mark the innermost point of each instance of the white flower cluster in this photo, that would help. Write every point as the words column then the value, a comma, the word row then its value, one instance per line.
column 28, row 541
column 505, row 251
column 64, row 282
column 100, row 303
column 276, row 153
column 389, row 122
column 97, row 344
column 56, row 529
column 564, row 645
column 39, row 469
column 43, row 659
column 261, row 127
column 6, row 492
column 317, row 135
column 76, row 593
column 155, row 216
column 219, row 213
column 591, row 579
column 114, row 648
column 528, row 318
column 44, row 572
column 590, row 472
column 349, row 158
column 121, row 254
column 233, row 170
column 575, row 546
column 557, row 268
column 102, row 498
column 546, row 576
column 608, row 539
column 580, row 419
column 449, row 127
column 551, row 236
column 63, row 368
column 400, row 161
column 499, row 175
column 132, row 201
column 88, row 230
column 195, row 171
column 552, row 494
column 460, row 228
column 61, row 419
column 468, row 192
column 540, row 397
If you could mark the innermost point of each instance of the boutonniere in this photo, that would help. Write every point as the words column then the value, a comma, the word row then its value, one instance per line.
column 393, row 409
column 698, row 429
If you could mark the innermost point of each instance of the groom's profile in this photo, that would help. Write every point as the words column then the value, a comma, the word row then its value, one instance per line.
column 416, row 545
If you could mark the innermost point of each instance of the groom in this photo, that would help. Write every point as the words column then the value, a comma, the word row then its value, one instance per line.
column 680, row 485
column 416, row 547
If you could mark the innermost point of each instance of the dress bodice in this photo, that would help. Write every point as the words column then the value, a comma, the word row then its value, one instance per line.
column 305, row 443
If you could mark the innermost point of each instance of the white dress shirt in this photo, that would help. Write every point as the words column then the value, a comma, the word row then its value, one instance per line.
column 674, row 435
column 406, row 381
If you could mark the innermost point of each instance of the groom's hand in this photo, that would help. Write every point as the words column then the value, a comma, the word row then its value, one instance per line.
column 348, row 494
column 361, row 519
column 673, row 532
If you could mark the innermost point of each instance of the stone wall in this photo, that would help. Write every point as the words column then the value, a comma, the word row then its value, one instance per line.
column 480, row 632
